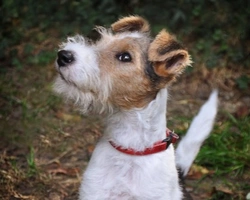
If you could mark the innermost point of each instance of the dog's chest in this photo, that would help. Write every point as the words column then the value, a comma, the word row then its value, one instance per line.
column 129, row 177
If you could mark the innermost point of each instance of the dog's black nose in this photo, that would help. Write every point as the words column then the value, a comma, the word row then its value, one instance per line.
column 64, row 58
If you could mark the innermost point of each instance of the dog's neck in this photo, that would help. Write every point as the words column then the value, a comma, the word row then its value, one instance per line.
column 139, row 128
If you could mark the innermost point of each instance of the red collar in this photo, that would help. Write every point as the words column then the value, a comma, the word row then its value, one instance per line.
column 158, row 146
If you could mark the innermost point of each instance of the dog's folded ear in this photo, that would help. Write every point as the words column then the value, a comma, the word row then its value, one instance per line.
column 130, row 24
column 168, row 57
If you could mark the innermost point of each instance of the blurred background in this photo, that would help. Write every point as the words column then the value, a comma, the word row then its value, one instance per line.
column 45, row 143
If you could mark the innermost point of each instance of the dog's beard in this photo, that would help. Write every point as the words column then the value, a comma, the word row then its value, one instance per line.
column 87, row 100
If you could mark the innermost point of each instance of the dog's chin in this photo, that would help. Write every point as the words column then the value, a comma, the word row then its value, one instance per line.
column 67, row 75
column 88, row 104
column 86, row 100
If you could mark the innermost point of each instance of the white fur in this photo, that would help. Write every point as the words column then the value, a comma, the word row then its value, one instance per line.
column 199, row 130
column 112, row 175
column 82, row 81
column 85, row 71
column 107, row 34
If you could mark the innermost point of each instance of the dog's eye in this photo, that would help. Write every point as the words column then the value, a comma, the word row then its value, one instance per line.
column 124, row 57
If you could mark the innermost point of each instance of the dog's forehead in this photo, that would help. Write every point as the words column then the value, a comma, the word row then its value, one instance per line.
column 120, row 39
column 130, row 35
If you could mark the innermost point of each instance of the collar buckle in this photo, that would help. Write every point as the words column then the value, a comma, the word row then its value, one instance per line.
column 171, row 138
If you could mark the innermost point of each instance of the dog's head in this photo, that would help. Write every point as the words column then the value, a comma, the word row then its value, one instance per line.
column 124, row 69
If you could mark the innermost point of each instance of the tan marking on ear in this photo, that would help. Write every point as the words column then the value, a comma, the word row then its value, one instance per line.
column 130, row 24
column 167, row 55
column 161, row 41
column 160, row 69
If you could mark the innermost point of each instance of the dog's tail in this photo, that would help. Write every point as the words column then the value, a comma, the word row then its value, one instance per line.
column 199, row 130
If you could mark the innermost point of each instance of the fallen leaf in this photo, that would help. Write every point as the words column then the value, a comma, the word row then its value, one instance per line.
column 224, row 190
column 57, row 171
column 221, row 193
column 66, row 171
column 196, row 172
column 20, row 196
column 242, row 111
column 67, row 117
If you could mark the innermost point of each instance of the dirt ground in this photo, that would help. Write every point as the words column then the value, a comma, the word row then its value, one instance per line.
column 46, row 144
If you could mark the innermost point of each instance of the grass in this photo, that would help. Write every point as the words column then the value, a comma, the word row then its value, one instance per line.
column 32, row 168
column 224, row 155
column 227, row 149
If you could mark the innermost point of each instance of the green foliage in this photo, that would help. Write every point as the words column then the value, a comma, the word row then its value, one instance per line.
column 227, row 149
column 218, row 29
column 222, row 196
column 243, row 82
column 31, row 163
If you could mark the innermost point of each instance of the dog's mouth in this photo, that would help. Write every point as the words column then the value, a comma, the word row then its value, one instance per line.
column 61, row 75
column 66, row 80
column 61, row 71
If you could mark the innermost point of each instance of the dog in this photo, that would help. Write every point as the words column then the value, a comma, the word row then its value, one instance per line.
column 124, row 77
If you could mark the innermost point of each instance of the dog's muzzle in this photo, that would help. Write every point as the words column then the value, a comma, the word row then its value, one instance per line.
column 64, row 58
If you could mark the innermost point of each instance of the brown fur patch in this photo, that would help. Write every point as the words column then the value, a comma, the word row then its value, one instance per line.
column 160, row 69
column 132, row 23
column 131, row 87
column 167, row 55
column 131, row 84
column 162, row 50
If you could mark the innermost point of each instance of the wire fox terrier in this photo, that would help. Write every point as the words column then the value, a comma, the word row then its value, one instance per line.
column 124, row 76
